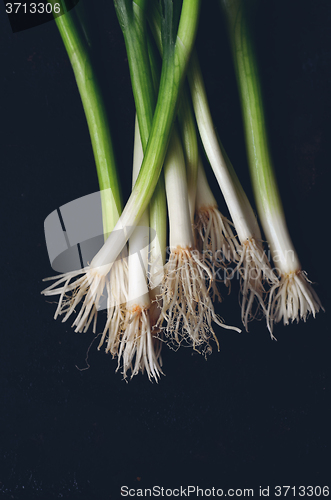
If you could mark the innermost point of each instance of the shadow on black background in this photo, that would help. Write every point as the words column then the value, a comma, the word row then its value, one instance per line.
column 257, row 413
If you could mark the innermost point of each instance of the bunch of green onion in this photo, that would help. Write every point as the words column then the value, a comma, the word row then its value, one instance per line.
column 165, row 293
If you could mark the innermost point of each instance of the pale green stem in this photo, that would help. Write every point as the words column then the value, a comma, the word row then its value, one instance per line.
column 238, row 204
column 261, row 168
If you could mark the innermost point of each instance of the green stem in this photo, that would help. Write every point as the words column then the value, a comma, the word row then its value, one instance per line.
column 96, row 117
column 176, row 185
column 188, row 133
column 185, row 118
column 131, row 17
column 174, row 66
column 235, row 197
column 263, row 176
column 145, row 83
column 158, row 203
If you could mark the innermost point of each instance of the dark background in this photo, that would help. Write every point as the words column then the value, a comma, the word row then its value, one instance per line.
column 256, row 413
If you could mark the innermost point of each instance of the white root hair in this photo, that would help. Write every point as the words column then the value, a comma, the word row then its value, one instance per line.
column 216, row 242
column 87, row 291
column 215, row 237
column 292, row 299
column 140, row 349
column 117, row 296
column 256, row 275
column 187, row 309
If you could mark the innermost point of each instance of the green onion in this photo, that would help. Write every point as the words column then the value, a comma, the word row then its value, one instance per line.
column 185, row 116
column 292, row 297
column 139, row 349
column 150, row 300
column 88, row 288
column 177, row 45
column 188, row 134
column 176, row 55
column 249, row 258
column 251, row 261
column 157, row 220
column 186, row 305
column 79, row 54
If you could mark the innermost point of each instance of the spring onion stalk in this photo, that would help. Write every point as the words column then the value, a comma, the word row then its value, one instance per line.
column 139, row 350
column 187, row 320
column 251, row 287
column 145, row 83
column 131, row 17
column 176, row 55
column 157, row 251
column 293, row 297
column 177, row 44
column 187, row 307
column 251, row 263
column 173, row 72
column 186, row 120
column 187, row 128
column 212, row 233
column 189, row 142
column 89, row 287
column 187, row 316
column 184, row 262
column 188, row 134
column 214, row 237
column 157, row 217
column 138, row 341
column 193, row 163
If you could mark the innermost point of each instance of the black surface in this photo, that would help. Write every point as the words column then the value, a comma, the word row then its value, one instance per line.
column 258, row 412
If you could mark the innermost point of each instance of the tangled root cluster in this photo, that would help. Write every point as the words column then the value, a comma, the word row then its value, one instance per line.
column 292, row 299
column 182, row 312
column 215, row 238
column 88, row 292
column 140, row 349
column 187, row 308
column 127, row 333
column 217, row 244
column 117, row 286
column 256, row 276
column 85, row 291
